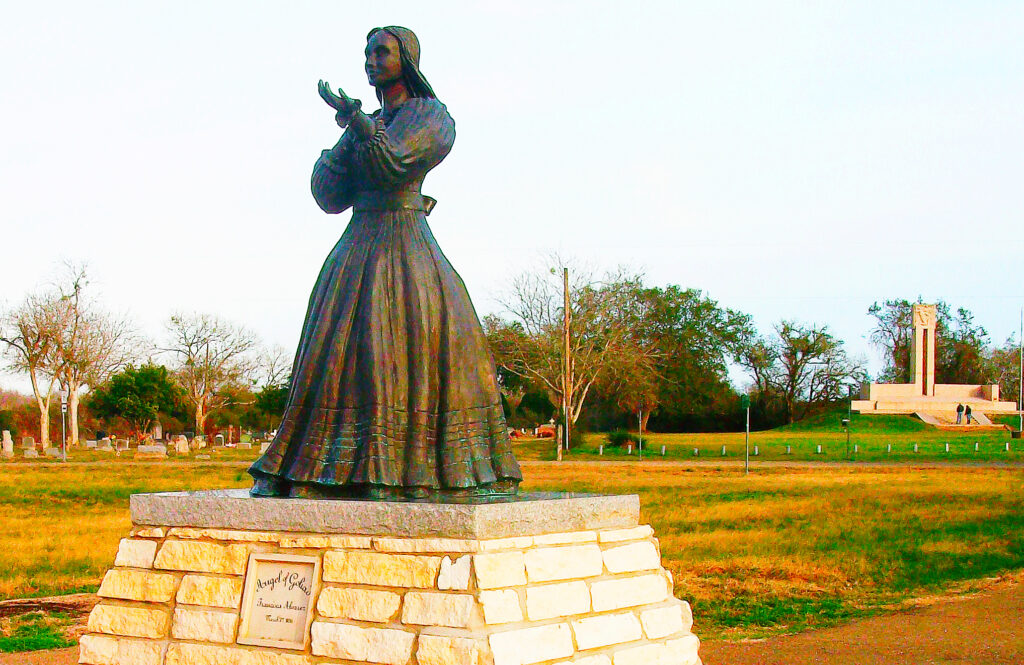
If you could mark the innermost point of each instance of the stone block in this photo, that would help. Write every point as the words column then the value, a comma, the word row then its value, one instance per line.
column 204, row 625
column 132, row 553
column 501, row 569
column 102, row 650
column 210, row 591
column 358, row 604
column 526, row 515
column 662, row 621
column 378, row 569
column 683, row 651
column 444, row 650
column 557, row 600
column 501, row 606
column 606, row 630
column 202, row 557
column 563, row 563
column 599, row 659
column 129, row 621
column 647, row 654
column 30, row 453
column 454, row 610
column 513, row 543
column 454, row 576
column 333, row 542
column 425, row 545
column 138, row 585
column 372, row 645
column 182, row 653
column 628, row 592
column 566, row 538
column 149, row 531
column 633, row 557
column 224, row 534
column 619, row 535
column 531, row 645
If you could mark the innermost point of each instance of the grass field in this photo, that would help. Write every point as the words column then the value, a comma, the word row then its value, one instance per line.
column 779, row 550
column 871, row 434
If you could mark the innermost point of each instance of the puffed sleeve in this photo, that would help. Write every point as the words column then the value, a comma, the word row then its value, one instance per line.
column 416, row 140
column 334, row 181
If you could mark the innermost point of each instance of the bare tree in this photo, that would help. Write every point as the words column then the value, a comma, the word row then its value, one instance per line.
column 91, row 344
column 272, row 366
column 603, row 318
column 212, row 357
column 29, row 333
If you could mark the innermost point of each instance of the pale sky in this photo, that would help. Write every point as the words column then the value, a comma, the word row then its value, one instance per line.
column 792, row 159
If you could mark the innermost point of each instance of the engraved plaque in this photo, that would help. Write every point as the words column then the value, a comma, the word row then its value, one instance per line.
column 277, row 604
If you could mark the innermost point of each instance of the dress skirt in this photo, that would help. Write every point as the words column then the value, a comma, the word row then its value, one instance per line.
column 393, row 383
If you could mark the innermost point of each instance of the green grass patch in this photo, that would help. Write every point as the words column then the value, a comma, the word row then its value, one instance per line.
column 35, row 631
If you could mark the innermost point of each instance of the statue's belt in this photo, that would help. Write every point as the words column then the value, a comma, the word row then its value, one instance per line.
column 396, row 200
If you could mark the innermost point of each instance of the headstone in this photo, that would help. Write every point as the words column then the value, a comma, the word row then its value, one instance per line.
column 663, row 451
column 218, row 440
column 244, row 445
column 151, row 452
column 975, row 446
column 121, row 444
column 789, row 450
column 818, row 450
column 158, row 432
column 629, row 449
column 52, row 451
column 277, row 601
column 30, row 453
column 723, row 451
column 181, row 445
column 8, row 445
column 199, row 442
column 915, row 447
column 856, row 449
column 888, row 448
column 104, row 446
column 202, row 457
column 696, row 452
column 947, row 446
column 756, row 452
column 28, row 442
column 1007, row 446
column 264, row 446
column 90, row 444
column 600, row 449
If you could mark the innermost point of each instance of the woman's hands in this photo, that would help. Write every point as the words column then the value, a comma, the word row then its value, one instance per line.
column 345, row 106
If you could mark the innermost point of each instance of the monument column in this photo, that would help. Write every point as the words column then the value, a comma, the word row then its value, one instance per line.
column 922, row 359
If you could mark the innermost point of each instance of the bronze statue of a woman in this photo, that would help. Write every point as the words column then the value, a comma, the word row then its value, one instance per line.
column 393, row 393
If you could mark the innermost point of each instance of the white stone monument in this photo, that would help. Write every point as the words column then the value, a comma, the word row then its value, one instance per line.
column 933, row 403
column 8, row 445
column 222, row 577
column 181, row 444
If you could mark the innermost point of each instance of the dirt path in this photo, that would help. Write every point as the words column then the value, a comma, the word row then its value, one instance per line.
column 987, row 627
column 984, row 628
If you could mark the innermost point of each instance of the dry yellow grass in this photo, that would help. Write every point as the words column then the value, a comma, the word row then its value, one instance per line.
column 777, row 550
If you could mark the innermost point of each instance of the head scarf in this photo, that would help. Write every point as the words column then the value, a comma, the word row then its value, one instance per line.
column 409, row 52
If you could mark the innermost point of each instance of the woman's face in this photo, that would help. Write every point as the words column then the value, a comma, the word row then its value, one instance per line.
column 383, row 61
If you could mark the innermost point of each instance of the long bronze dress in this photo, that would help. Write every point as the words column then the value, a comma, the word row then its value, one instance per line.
column 393, row 383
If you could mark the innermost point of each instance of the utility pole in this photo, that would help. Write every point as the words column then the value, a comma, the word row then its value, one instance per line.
column 567, row 363
column 640, row 429
column 745, row 404
column 63, row 427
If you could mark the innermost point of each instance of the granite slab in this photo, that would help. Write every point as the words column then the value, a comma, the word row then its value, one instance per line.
column 525, row 515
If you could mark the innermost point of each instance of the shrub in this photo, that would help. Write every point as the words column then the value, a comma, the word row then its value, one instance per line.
column 621, row 437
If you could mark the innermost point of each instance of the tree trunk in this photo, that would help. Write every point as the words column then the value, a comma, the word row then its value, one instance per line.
column 73, row 400
column 44, row 423
column 201, row 416
column 644, row 418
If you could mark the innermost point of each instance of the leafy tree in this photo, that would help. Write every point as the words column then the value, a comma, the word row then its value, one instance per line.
column 138, row 395
column 961, row 353
column 213, row 359
column 801, row 367
column 603, row 330
column 1005, row 365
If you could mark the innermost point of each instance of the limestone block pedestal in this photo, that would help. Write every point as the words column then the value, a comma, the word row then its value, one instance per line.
column 548, row 579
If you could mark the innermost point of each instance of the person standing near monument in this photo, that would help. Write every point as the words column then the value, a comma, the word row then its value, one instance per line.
column 394, row 393
column 967, row 412
column 959, row 413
